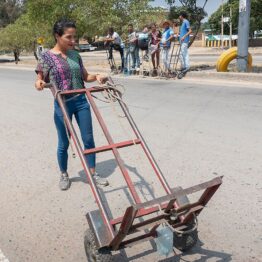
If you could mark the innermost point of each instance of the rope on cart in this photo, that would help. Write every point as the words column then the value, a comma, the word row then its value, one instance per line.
column 56, row 93
column 109, row 92
column 179, row 232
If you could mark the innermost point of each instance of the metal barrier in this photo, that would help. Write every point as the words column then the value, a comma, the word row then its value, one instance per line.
column 218, row 43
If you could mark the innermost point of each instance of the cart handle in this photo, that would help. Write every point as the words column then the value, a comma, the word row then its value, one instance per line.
column 48, row 85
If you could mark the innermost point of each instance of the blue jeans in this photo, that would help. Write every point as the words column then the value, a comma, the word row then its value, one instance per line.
column 121, row 51
column 184, row 56
column 133, row 53
column 80, row 108
column 137, row 58
column 165, row 57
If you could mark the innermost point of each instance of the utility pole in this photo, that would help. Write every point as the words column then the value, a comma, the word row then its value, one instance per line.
column 243, row 34
column 222, row 26
column 230, row 38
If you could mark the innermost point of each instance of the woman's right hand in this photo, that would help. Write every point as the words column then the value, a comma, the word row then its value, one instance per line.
column 39, row 84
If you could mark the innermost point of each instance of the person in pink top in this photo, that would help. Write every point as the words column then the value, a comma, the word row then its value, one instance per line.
column 154, row 45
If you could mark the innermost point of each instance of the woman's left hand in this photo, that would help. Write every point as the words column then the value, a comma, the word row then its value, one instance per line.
column 101, row 79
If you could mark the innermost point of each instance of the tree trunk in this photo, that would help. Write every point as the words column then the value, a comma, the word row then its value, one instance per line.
column 16, row 55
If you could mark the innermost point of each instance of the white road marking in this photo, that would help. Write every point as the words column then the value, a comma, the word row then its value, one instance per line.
column 2, row 257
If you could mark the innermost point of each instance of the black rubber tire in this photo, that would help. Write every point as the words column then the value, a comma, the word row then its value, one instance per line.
column 180, row 75
column 185, row 242
column 94, row 254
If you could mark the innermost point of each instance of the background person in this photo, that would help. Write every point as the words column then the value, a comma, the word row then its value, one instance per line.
column 165, row 43
column 143, row 42
column 133, row 48
column 115, row 42
column 154, row 45
column 63, row 67
column 185, row 31
column 176, row 28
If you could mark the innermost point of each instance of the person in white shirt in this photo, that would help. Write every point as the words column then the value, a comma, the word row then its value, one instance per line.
column 114, row 41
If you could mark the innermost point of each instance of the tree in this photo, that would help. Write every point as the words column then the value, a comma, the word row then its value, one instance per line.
column 10, row 10
column 17, row 37
column 92, row 17
column 195, row 13
column 255, row 17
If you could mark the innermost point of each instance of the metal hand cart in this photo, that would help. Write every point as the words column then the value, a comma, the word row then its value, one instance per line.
column 106, row 234
column 174, row 60
column 146, row 69
column 146, row 61
column 165, row 71
column 112, row 64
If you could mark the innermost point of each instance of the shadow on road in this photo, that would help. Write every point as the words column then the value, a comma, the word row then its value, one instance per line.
column 107, row 168
column 203, row 255
column 4, row 60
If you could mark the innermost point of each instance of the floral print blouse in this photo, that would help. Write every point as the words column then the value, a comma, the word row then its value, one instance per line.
column 65, row 73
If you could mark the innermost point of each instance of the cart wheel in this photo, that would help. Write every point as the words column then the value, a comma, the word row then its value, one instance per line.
column 92, row 252
column 185, row 242
column 174, row 74
column 146, row 73
column 180, row 75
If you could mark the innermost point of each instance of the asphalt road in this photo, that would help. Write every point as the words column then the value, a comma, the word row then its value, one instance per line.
column 196, row 131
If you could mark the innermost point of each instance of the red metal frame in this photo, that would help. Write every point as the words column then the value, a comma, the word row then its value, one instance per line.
column 166, row 203
column 114, row 146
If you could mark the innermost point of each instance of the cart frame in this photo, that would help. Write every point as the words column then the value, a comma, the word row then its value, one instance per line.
column 165, row 209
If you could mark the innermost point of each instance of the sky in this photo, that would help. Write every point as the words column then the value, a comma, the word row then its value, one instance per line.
column 211, row 6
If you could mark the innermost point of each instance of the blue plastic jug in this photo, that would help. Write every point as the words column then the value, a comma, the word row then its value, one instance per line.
column 164, row 240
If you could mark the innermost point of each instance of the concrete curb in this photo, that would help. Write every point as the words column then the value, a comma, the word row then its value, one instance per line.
column 218, row 54
column 254, row 77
